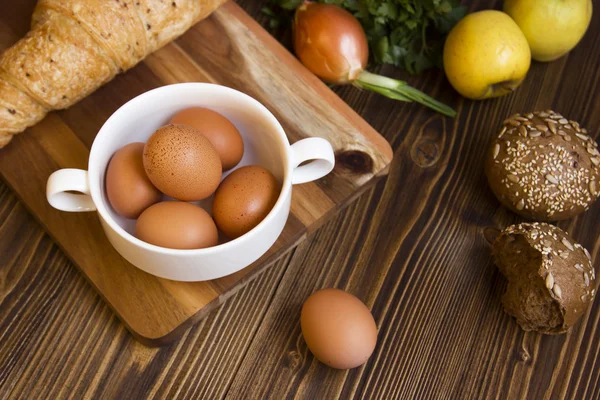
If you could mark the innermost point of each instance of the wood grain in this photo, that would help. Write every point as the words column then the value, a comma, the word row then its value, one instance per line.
column 232, row 49
column 411, row 247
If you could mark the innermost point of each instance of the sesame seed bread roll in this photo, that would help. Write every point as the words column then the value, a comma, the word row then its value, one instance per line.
column 551, row 279
column 544, row 167
column 75, row 46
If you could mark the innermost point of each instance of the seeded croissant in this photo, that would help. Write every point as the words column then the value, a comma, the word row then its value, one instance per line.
column 75, row 46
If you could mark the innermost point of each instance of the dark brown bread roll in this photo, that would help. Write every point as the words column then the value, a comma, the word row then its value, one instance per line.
column 551, row 279
column 544, row 167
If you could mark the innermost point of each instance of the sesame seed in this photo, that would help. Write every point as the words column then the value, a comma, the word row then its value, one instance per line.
column 520, row 205
column 563, row 254
column 549, row 281
column 587, row 253
column 579, row 267
column 496, row 150
column 586, row 279
column 502, row 132
column 567, row 244
column 557, row 291
column 552, row 179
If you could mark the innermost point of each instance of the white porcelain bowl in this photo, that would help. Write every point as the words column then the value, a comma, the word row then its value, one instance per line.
column 265, row 144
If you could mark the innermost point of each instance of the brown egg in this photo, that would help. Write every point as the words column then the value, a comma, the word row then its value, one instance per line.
column 128, row 188
column 218, row 129
column 244, row 199
column 182, row 163
column 177, row 225
column 338, row 328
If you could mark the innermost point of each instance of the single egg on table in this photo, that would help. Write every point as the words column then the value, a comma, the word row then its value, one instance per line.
column 182, row 163
column 244, row 199
column 338, row 328
column 177, row 225
column 219, row 130
column 128, row 188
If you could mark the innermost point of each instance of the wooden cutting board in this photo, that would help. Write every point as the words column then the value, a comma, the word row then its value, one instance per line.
column 228, row 48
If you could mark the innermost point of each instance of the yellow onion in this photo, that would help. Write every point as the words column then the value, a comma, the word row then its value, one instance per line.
column 332, row 44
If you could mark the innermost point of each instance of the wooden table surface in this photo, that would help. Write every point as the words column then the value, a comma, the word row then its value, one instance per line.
column 411, row 248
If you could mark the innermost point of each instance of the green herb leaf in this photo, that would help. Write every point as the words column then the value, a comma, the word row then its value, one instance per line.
column 289, row 4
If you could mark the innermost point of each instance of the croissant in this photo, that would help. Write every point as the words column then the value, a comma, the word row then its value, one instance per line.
column 75, row 46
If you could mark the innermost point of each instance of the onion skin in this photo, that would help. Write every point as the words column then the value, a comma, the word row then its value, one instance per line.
column 330, row 42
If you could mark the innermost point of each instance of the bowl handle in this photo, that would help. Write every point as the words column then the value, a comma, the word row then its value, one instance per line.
column 67, row 180
column 320, row 154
